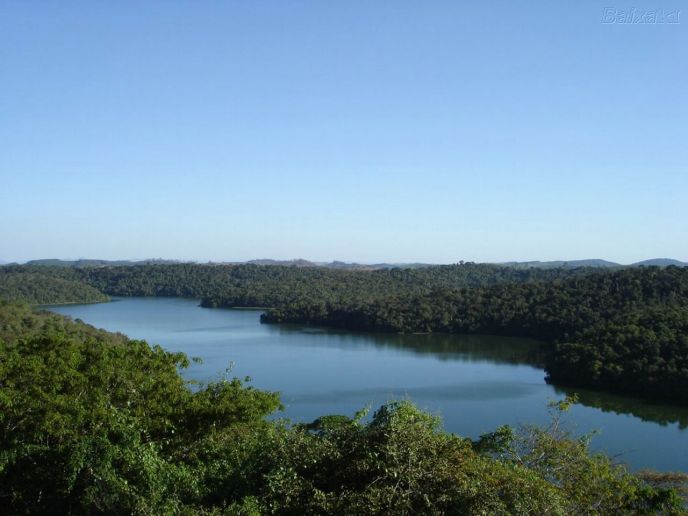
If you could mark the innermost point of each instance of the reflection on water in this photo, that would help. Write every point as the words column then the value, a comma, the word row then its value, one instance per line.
column 482, row 391
column 481, row 348
column 642, row 409
column 478, row 348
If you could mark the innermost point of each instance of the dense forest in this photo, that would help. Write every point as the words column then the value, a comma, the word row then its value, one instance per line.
column 44, row 289
column 94, row 423
column 625, row 331
column 272, row 286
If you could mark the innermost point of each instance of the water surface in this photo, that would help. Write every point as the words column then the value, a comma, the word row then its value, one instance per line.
column 476, row 383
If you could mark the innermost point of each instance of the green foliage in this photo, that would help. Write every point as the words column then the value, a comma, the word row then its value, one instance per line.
column 676, row 481
column 91, row 422
column 401, row 462
column 398, row 463
column 43, row 289
column 593, row 485
column 94, row 423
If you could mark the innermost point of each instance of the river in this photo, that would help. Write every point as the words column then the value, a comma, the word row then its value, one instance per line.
column 476, row 383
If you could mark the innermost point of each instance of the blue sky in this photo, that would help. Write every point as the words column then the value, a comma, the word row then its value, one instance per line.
column 351, row 130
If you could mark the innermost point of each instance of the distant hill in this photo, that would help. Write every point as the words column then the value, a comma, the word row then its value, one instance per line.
column 300, row 262
column 285, row 263
column 661, row 262
column 373, row 266
column 562, row 263
column 349, row 266
column 53, row 262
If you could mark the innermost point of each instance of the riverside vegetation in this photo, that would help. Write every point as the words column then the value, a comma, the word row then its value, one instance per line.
column 95, row 423
column 623, row 331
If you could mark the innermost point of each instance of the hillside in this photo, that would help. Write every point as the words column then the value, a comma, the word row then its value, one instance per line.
column 563, row 263
column 43, row 289
column 661, row 262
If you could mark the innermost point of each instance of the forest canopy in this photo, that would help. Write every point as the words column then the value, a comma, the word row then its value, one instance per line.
column 37, row 288
column 271, row 285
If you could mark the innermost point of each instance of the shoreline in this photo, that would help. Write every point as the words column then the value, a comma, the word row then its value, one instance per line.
column 68, row 303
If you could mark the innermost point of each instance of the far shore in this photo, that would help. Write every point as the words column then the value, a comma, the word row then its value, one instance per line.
column 108, row 300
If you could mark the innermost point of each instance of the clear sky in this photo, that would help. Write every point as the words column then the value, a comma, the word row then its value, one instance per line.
column 353, row 130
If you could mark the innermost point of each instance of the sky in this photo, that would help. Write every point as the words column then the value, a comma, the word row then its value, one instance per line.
column 397, row 131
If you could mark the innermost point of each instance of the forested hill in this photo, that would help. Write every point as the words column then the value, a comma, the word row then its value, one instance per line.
column 37, row 288
column 272, row 286
column 95, row 423
column 625, row 331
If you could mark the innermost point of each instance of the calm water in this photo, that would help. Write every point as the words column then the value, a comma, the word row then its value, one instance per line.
column 475, row 383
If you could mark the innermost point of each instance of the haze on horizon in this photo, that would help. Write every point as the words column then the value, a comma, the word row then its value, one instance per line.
column 383, row 132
